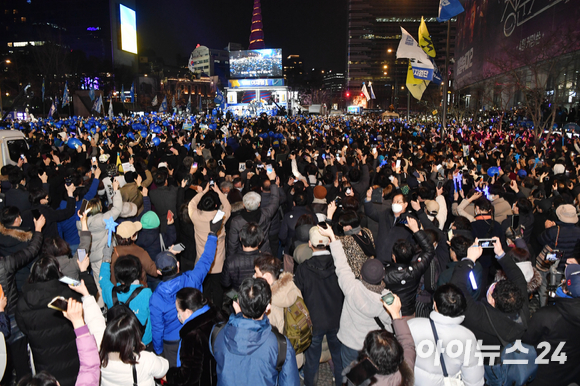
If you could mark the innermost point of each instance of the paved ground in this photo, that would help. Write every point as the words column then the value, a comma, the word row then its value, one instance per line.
column 324, row 376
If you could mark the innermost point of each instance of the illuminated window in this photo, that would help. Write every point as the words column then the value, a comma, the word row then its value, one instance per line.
column 23, row 19
column 15, row 12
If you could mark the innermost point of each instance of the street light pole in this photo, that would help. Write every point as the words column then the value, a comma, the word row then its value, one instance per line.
column 446, row 82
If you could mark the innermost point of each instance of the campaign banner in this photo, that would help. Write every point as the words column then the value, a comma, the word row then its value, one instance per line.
column 420, row 72
column 251, row 83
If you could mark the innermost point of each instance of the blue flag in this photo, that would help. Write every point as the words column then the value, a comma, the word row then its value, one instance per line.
column 92, row 93
column 65, row 95
column 133, row 92
column 163, row 106
column 449, row 9
column 123, row 93
column 43, row 89
column 52, row 110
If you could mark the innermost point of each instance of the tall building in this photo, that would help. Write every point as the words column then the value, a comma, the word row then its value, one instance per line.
column 210, row 62
column 257, row 29
column 294, row 73
column 374, row 32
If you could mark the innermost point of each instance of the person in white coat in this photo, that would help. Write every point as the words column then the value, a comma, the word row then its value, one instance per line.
column 449, row 305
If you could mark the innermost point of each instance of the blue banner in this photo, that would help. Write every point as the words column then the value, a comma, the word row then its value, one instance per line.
column 249, row 83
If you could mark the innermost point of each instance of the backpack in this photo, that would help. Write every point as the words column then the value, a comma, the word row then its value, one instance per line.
column 512, row 373
column 123, row 308
column 298, row 325
column 282, row 344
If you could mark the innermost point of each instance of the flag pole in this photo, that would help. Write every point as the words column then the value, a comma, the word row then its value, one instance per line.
column 445, row 82
column 408, row 104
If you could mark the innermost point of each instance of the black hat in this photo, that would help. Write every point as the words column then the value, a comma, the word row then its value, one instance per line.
column 372, row 271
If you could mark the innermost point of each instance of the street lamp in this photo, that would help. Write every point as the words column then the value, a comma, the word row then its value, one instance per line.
column 390, row 50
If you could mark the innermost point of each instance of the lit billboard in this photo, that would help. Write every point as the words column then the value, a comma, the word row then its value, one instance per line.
column 494, row 35
column 128, row 29
column 256, row 63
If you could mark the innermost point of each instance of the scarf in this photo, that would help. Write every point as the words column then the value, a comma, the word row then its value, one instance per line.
column 353, row 231
column 376, row 288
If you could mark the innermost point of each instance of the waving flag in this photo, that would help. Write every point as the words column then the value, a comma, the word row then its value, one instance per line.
column 371, row 90
column 365, row 91
column 133, row 92
column 415, row 86
column 111, row 108
column 43, row 89
column 449, row 9
column 173, row 102
column 409, row 48
column 65, row 95
column 154, row 101
column 189, row 104
column 123, row 93
column 52, row 109
column 163, row 106
column 98, row 105
column 425, row 40
column 92, row 93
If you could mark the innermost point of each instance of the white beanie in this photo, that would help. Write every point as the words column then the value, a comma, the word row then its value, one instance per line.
column 559, row 169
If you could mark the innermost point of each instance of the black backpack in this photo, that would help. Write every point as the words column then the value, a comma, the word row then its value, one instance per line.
column 123, row 308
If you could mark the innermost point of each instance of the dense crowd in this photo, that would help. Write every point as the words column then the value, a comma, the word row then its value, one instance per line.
column 222, row 251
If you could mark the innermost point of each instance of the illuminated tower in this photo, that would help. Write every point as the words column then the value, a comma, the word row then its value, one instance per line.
column 257, row 32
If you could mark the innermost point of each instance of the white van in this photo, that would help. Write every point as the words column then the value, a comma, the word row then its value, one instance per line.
column 12, row 145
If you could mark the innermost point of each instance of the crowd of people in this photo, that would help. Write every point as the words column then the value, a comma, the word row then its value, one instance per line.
column 221, row 251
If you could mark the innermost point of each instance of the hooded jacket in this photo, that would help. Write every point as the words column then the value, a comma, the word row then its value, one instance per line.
column 448, row 329
column 361, row 306
column 13, row 239
column 556, row 323
column 317, row 280
column 246, row 351
column 164, row 323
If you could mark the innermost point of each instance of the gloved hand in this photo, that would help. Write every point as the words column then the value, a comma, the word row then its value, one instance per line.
column 215, row 228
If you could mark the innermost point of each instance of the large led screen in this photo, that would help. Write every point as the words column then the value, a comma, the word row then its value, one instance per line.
column 128, row 30
column 256, row 63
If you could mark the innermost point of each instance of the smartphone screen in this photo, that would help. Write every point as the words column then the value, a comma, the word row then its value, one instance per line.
column 94, row 159
column 69, row 281
column 398, row 164
column 388, row 298
column 59, row 303
column 486, row 243
column 219, row 215
column 178, row 247
column 269, row 169
column 81, row 253
column 169, row 215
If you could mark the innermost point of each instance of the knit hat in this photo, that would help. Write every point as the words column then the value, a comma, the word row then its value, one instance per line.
column 165, row 262
column 567, row 214
column 129, row 210
column 573, row 279
column 320, row 192
column 150, row 220
column 316, row 239
column 432, row 207
column 559, row 169
column 372, row 271
column 127, row 229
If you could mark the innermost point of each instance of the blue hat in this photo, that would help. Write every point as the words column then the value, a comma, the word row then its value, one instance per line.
column 522, row 173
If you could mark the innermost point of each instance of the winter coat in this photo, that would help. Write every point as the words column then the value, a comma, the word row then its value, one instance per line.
column 511, row 326
column 277, row 217
column 131, row 193
column 389, row 231
column 186, row 236
column 567, row 240
column 501, row 209
column 164, row 198
column 149, row 240
column 139, row 305
column 52, row 216
column 317, row 280
column 68, row 264
column 96, row 225
column 355, row 255
column 288, row 224
column 238, row 267
column 164, row 323
column 555, row 323
column 13, row 239
column 17, row 197
column 201, row 221
column 149, row 367
column 404, row 279
column 90, row 363
column 264, row 220
column 67, row 229
column 12, row 262
column 148, row 265
column 448, row 329
column 246, row 351
column 50, row 335
column 198, row 366
column 284, row 294
column 447, row 274
column 361, row 305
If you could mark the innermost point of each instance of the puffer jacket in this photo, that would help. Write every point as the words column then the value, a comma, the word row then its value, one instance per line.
column 50, row 335
column 567, row 238
column 448, row 329
column 404, row 279
column 238, row 267
column 13, row 239
column 246, row 350
column 263, row 219
column 284, row 294
column 361, row 305
column 99, row 234
column 164, row 323
column 9, row 264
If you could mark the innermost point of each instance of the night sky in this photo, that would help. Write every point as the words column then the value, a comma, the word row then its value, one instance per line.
column 314, row 29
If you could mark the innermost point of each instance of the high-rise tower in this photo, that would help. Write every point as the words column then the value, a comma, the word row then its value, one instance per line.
column 257, row 32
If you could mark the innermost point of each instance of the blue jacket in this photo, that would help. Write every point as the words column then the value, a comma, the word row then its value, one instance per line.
column 139, row 305
column 67, row 229
column 246, row 351
column 164, row 322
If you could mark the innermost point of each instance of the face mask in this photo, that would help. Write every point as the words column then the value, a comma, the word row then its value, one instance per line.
column 397, row 208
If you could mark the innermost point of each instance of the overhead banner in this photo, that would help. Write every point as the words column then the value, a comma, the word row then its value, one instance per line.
column 252, row 83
